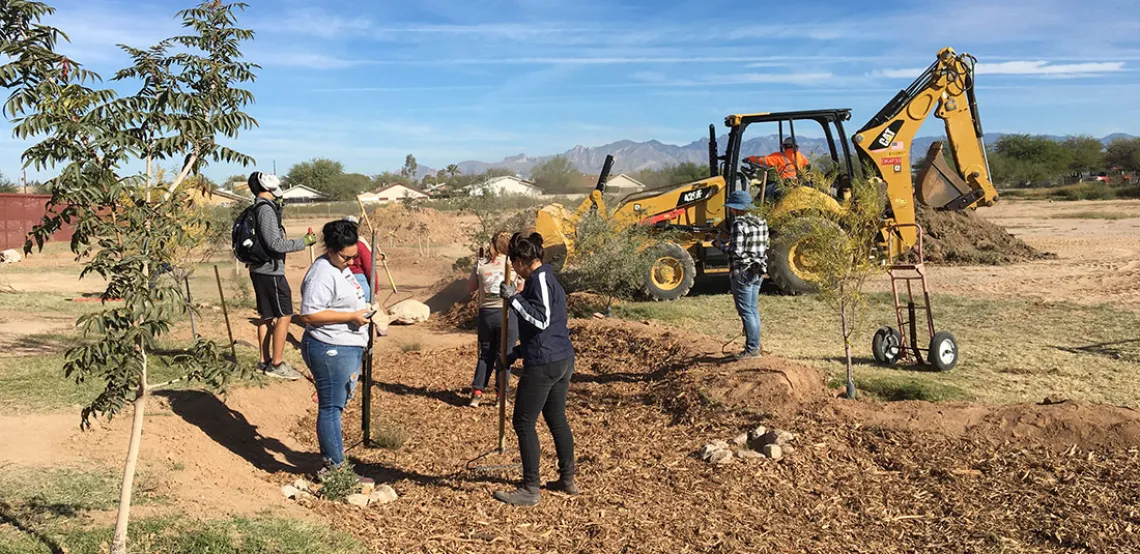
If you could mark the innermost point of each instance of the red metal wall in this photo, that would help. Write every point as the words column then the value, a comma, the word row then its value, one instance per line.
column 19, row 213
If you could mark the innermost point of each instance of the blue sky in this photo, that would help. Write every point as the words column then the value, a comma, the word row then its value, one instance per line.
column 369, row 82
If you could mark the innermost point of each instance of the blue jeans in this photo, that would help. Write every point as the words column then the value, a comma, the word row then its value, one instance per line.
column 363, row 280
column 335, row 370
column 746, row 295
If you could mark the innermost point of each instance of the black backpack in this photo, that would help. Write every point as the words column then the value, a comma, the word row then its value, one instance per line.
column 247, row 244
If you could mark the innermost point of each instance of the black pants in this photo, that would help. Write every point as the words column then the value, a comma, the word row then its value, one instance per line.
column 490, row 331
column 542, row 388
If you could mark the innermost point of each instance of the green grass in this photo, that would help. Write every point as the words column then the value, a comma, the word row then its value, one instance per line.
column 1096, row 215
column 66, row 492
column 1011, row 350
column 179, row 536
column 54, row 302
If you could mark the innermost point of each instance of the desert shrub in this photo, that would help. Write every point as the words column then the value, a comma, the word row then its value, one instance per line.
column 610, row 260
column 338, row 483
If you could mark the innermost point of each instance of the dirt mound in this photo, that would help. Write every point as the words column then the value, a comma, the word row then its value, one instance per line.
column 397, row 224
column 966, row 238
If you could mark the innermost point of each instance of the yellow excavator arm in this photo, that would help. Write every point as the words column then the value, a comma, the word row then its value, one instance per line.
column 947, row 89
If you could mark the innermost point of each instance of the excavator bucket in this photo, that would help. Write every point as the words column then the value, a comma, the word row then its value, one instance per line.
column 938, row 185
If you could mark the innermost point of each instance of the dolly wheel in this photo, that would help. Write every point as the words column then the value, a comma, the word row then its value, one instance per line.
column 886, row 346
column 943, row 351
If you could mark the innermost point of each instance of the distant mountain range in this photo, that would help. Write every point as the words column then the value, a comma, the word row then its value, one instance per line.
column 630, row 156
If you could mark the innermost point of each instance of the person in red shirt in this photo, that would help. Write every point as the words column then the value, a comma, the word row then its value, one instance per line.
column 787, row 162
column 361, row 265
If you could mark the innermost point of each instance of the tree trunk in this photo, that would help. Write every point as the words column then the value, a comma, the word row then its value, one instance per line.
column 119, row 544
column 847, row 349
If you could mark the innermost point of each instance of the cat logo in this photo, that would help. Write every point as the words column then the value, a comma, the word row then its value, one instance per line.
column 888, row 135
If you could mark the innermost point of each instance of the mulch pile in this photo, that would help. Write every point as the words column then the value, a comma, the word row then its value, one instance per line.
column 964, row 237
column 848, row 487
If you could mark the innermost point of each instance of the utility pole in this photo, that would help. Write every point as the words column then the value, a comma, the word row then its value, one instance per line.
column 275, row 167
column 25, row 181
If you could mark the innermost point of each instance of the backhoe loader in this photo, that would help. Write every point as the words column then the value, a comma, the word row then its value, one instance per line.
column 695, row 211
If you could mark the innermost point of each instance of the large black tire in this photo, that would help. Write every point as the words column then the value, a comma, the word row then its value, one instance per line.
column 943, row 353
column 887, row 345
column 788, row 266
column 671, row 274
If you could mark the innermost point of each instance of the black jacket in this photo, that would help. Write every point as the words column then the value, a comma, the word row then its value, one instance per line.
column 541, row 307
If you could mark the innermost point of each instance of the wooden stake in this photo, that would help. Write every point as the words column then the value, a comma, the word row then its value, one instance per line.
column 504, row 371
column 190, row 304
column 226, row 313
column 376, row 248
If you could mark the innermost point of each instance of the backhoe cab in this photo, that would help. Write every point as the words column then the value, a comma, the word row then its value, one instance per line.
column 694, row 212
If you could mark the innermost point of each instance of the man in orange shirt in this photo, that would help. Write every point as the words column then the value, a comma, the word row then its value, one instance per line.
column 786, row 162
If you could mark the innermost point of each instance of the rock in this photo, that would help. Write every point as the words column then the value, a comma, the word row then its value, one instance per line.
column 383, row 495
column 301, row 485
column 357, row 500
column 290, row 492
column 773, row 451
column 748, row 454
column 409, row 312
column 367, row 488
column 758, row 443
column 722, row 457
column 757, row 432
column 10, row 257
column 711, row 448
column 784, row 437
column 788, row 450
column 740, row 439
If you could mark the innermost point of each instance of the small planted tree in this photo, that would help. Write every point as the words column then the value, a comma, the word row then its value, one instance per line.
column 844, row 255
column 128, row 225
column 609, row 260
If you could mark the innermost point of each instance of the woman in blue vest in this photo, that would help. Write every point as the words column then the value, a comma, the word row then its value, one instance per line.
column 548, row 363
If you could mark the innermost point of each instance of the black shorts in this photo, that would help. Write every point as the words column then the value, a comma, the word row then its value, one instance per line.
column 274, row 298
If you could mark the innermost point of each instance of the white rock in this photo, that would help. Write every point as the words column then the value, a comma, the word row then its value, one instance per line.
column 788, row 450
column 711, row 448
column 722, row 457
column 748, row 454
column 357, row 500
column 383, row 495
column 290, row 492
column 784, row 437
column 10, row 257
column 301, row 485
column 758, row 432
column 740, row 439
column 773, row 451
column 409, row 312
column 761, row 441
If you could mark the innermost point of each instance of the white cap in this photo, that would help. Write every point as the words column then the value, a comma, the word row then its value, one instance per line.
column 270, row 183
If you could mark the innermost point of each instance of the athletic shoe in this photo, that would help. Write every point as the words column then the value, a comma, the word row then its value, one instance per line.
column 522, row 496
column 748, row 355
column 565, row 486
column 282, row 371
column 476, row 398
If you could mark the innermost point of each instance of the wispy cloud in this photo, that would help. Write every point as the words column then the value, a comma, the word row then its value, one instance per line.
column 1020, row 68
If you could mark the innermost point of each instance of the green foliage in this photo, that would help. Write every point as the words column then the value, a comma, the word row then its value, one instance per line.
column 6, row 184
column 410, row 168
column 844, row 256
column 129, row 227
column 1124, row 153
column 609, row 260
column 686, row 172
column 1025, row 160
column 495, row 213
column 388, row 434
column 1086, row 154
column 556, row 176
column 338, row 483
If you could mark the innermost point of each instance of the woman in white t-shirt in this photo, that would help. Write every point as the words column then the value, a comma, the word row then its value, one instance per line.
column 336, row 333
column 484, row 282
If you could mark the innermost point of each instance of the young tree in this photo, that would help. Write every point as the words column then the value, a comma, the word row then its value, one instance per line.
column 610, row 260
column 844, row 255
column 6, row 184
column 127, row 226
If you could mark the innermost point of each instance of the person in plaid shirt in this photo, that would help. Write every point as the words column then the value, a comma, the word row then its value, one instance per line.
column 747, row 249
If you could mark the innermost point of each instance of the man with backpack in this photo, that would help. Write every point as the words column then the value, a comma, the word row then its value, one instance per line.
column 259, row 241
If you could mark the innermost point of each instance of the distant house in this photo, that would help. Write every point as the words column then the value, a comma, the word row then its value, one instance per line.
column 218, row 197
column 392, row 193
column 623, row 184
column 301, row 194
column 506, row 185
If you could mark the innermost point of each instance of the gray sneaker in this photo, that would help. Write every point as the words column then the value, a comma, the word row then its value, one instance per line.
column 282, row 371
column 747, row 355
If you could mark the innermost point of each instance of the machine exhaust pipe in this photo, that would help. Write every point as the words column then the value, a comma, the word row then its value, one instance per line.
column 605, row 176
